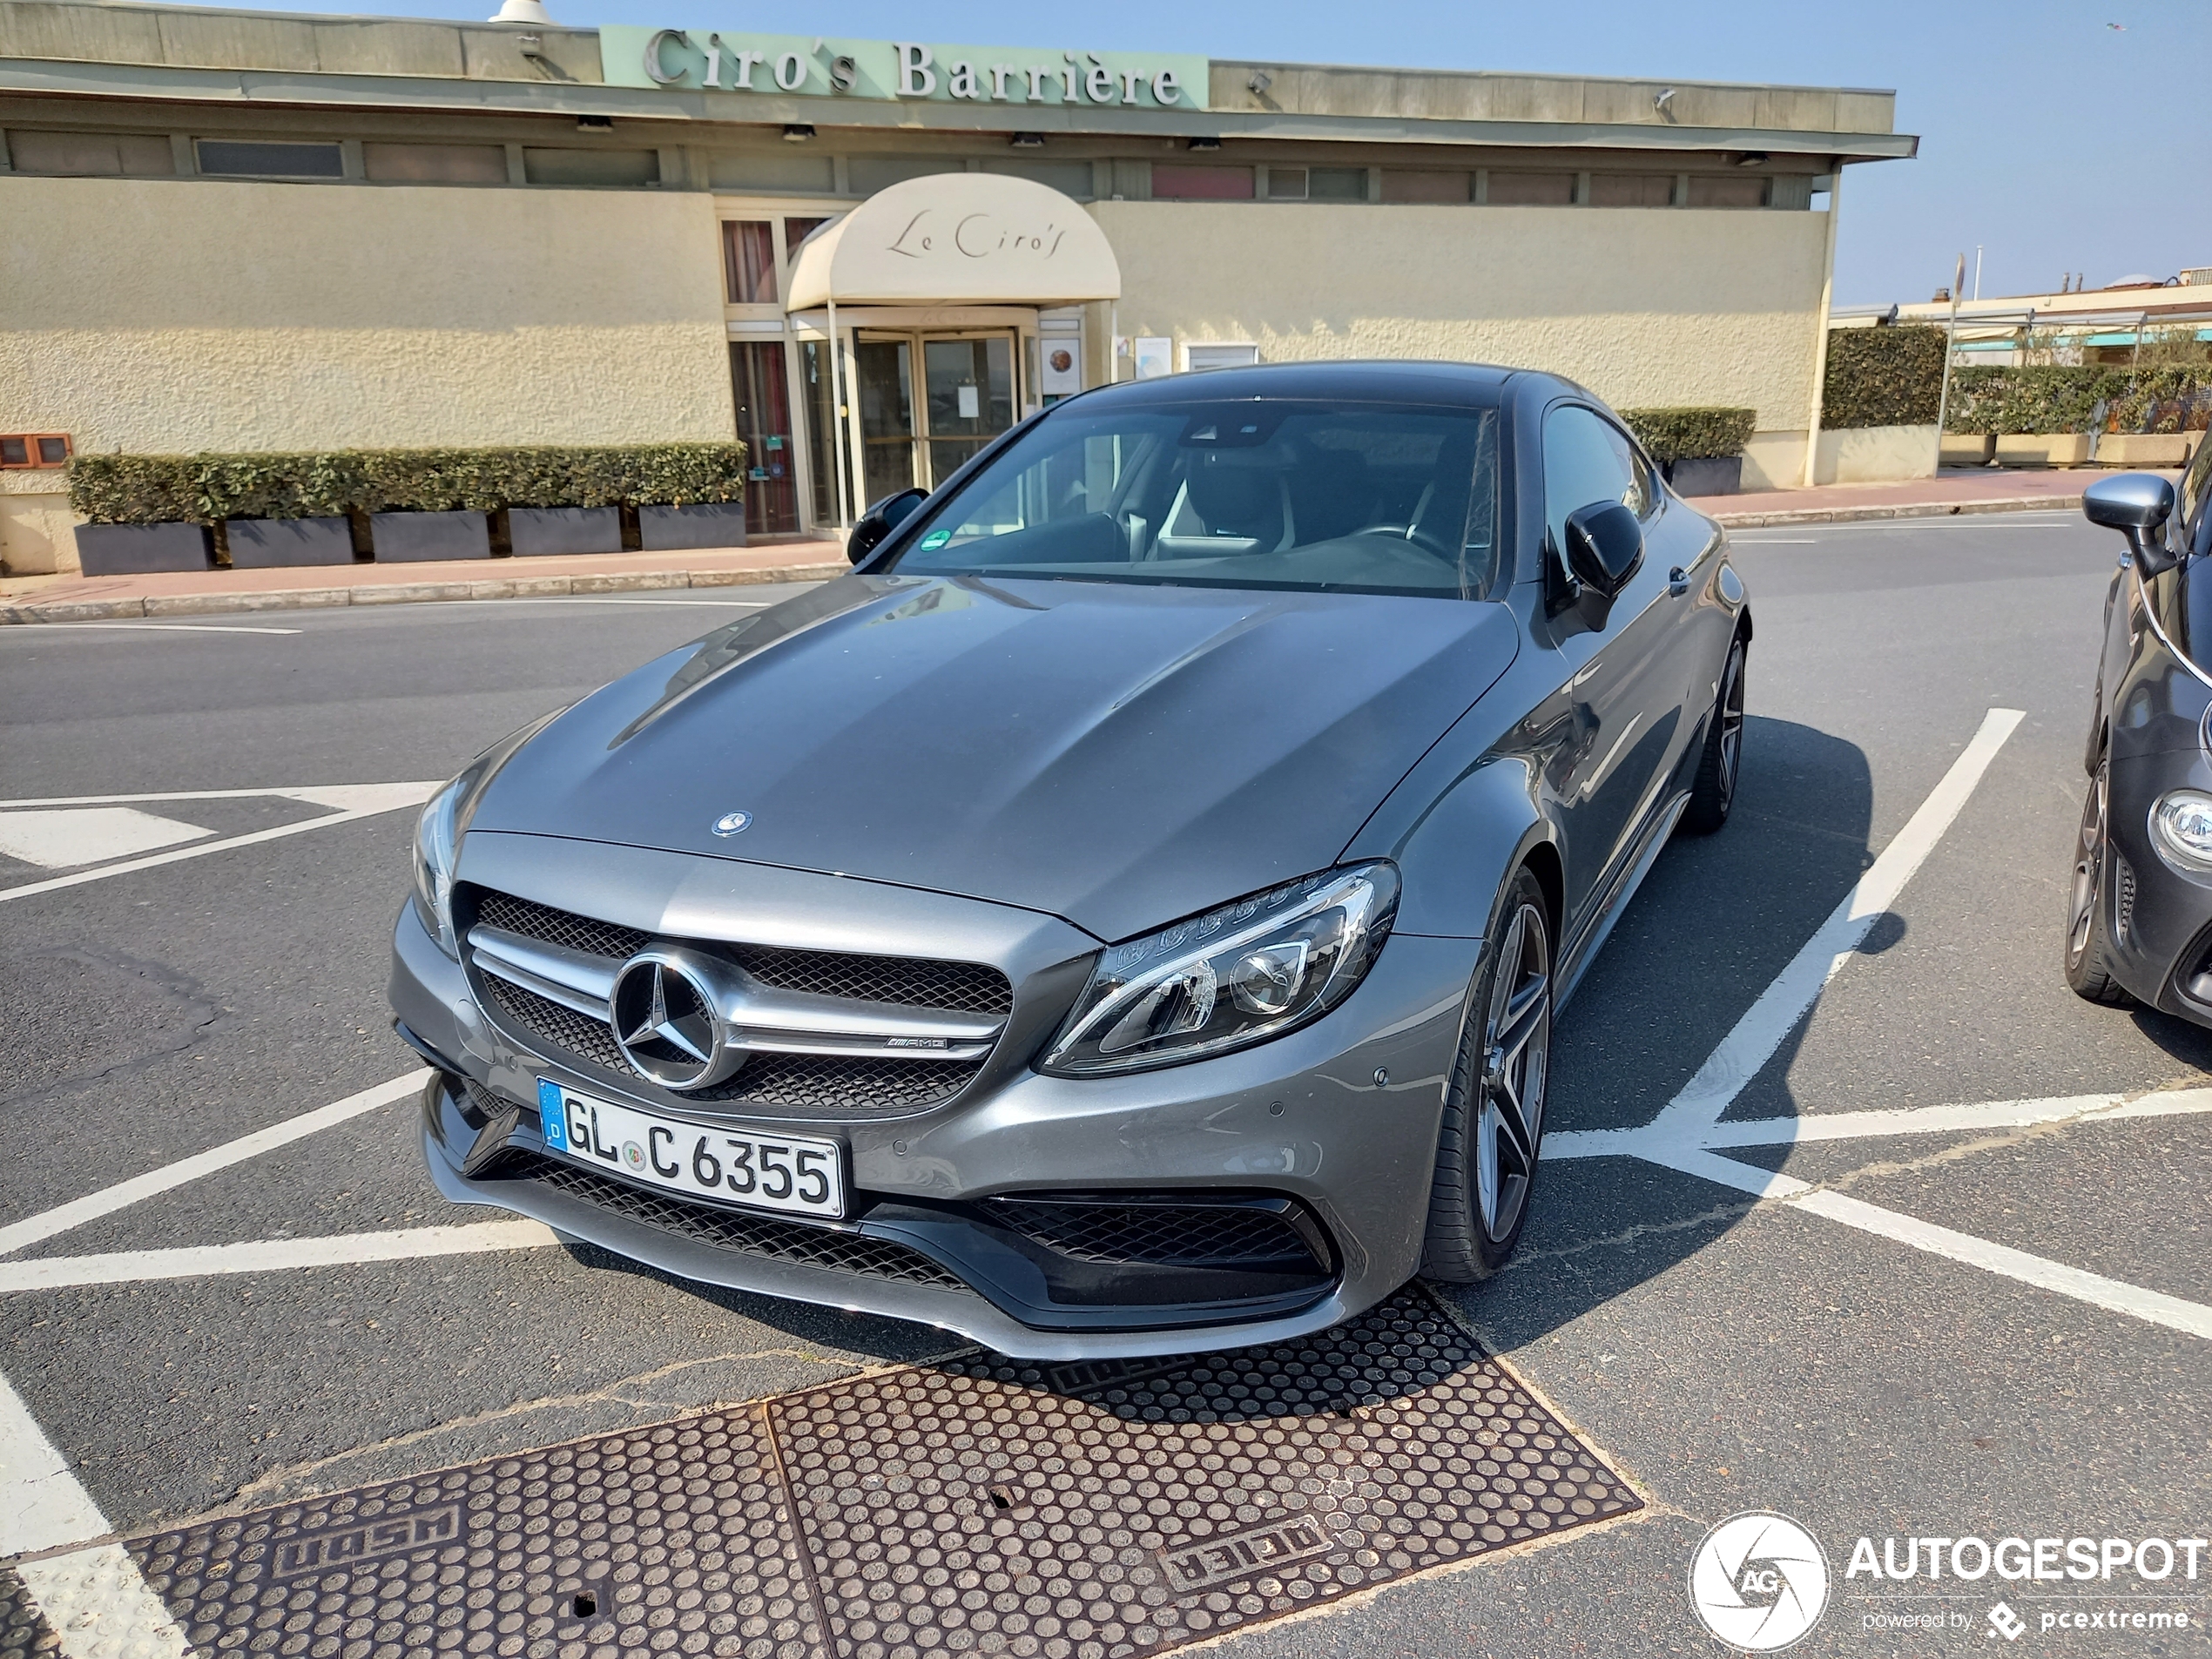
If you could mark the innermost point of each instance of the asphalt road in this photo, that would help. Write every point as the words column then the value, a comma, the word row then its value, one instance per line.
column 1724, row 1353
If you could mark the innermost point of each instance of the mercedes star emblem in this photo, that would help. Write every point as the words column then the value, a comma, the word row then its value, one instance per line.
column 666, row 1022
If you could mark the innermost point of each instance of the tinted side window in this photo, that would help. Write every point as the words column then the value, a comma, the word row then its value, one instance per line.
column 1585, row 460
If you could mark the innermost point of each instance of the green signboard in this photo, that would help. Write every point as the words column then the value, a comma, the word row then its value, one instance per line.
column 815, row 66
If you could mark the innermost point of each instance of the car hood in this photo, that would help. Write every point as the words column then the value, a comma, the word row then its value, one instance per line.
column 1117, row 755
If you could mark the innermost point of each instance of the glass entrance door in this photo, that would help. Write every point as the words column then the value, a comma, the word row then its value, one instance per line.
column 884, row 373
column 970, row 384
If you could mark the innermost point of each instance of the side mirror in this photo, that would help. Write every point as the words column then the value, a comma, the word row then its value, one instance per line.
column 1604, row 546
column 879, row 521
column 2137, row 504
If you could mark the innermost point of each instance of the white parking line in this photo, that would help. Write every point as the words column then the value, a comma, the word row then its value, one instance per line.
column 42, row 1503
column 172, row 628
column 271, row 1255
column 352, row 801
column 1797, row 987
column 23, row 1234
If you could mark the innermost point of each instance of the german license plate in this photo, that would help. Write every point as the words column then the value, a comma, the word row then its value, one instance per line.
column 788, row 1172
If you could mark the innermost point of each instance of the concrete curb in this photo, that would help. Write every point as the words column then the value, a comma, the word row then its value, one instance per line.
column 399, row 593
column 1906, row 510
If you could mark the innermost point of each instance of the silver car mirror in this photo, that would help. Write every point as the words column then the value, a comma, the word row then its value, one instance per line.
column 2137, row 504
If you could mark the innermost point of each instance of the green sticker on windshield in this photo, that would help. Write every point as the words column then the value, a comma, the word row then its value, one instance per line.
column 935, row 538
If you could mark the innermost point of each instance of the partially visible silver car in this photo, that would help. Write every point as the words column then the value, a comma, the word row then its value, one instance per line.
column 1126, row 914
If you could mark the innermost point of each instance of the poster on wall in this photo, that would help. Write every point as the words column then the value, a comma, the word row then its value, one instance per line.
column 1152, row 356
column 1063, row 368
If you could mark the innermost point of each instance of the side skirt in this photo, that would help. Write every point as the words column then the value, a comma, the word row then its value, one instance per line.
column 1657, row 834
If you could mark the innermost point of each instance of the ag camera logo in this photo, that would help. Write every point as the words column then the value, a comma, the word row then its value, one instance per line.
column 1759, row 1581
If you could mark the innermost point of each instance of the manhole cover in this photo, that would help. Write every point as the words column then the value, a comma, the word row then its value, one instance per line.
column 988, row 1507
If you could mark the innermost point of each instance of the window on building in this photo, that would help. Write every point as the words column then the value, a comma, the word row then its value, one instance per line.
column 1286, row 184
column 1632, row 190
column 1423, row 185
column 1532, row 190
column 34, row 449
column 1173, row 181
column 436, row 163
column 1201, row 354
column 1336, row 184
column 239, row 159
column 604, row 169
column 1727, row 190
column 821, row 422
column 796, row 231
column 762, row 389
column 1069, row 178
column 143, row 155
column 749, row 260
column 783, row 168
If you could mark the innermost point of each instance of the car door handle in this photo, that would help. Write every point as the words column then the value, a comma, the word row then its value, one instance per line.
column 1677, row 582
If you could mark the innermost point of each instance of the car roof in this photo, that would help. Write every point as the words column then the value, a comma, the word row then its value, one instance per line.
column 1467, row 385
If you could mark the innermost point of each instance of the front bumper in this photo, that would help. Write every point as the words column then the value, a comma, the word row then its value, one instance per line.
column 1302, row 1119
column 2161, row 919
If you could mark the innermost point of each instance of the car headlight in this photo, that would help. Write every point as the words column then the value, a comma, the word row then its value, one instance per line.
column 445, row 819
column 2181, row 828
column 436, row 841
column 1241, row 975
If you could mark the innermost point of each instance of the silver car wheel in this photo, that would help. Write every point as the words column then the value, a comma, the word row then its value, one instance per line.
column 1516, row 1044
column 2088, row 866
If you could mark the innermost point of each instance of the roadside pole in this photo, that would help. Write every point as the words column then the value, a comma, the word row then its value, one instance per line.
column 1950, row 343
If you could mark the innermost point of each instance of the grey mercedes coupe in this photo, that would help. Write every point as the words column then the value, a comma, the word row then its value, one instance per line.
column 1128, row 913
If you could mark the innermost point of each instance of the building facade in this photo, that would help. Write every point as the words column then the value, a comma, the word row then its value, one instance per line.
column 246, row 230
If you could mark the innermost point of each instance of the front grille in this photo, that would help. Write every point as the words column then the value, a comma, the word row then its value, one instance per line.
column 959, row 987
column 1166, row 1235
column 562, row 927
column 752, row 1235
column 812, row 1086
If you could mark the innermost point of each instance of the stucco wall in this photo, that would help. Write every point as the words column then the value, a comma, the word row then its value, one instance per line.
column 1645, row 307
column 153, row 315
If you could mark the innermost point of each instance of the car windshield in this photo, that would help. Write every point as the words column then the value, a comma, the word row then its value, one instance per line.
column 1264, row 493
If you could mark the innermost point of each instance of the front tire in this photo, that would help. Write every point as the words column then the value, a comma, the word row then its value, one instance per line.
column 2088, row 933
column 1714, row 792
column 1493, row 1112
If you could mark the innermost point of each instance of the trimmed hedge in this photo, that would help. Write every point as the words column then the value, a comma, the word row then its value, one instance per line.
column 2092, row 398
column 205, row 488
column 1691, row 434
column 1887, row 376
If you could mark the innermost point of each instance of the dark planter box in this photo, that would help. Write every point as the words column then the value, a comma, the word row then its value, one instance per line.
column 429, row 535
column 136, row 549
column 707, row 524
column 563, row 530
column 1708, row 475
column 260, row 543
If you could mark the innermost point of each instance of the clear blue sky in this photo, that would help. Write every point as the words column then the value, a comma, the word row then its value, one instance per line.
column 2058, row 143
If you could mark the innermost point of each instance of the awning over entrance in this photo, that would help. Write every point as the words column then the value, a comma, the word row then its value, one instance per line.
column 969, row 237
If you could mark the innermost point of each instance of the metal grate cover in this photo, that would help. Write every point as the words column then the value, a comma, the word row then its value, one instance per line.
column 1079, row 1512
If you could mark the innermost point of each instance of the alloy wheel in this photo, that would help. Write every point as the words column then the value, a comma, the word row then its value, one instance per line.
column 1731, row 722
column 1515, row 1054
column 2089, row 868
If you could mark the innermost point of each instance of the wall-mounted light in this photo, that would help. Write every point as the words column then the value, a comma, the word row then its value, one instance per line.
column 1662, row 104
column 1258, row 83
column 798, row 132
column 1026, row 141
column 595, row 124
column 1205, row 144
column 1751, row 159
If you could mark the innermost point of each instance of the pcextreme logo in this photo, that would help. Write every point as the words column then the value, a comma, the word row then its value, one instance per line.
column 1759, row 1581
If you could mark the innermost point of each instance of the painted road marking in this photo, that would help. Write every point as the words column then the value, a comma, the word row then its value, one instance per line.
column 348, row 802
column 59, row 838
column 271, row 1255
column 175, row 628
column 1767, row 1021
column 23, row 1234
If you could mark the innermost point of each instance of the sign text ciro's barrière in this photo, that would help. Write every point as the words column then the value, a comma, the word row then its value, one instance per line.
column 815, row 66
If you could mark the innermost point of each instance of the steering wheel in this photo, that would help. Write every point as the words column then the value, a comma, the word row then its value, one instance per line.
column 1419, row 539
